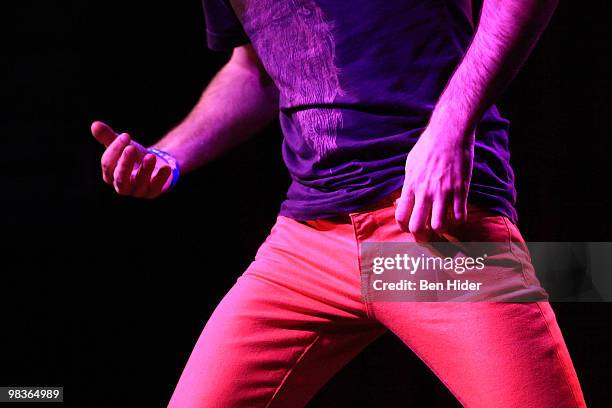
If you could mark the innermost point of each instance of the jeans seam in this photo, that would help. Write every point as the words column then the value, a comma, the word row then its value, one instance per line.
column 516, row 257
column 364, row 293
column 556, row 345
column 290, row 370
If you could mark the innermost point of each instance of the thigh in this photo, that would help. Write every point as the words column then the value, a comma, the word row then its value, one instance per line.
column 289, row 323
column 490, row 354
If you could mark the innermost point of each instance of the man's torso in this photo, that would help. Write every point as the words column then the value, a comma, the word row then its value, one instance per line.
column 358, row 81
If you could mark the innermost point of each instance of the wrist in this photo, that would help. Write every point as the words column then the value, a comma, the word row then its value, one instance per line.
column 451, row 125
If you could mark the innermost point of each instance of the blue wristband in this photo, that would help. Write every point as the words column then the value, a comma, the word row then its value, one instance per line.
column 171, row 161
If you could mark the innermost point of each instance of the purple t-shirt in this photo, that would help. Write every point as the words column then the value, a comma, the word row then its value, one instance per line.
column 358, row 81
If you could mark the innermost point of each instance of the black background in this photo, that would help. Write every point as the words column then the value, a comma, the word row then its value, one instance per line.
column 106, row 295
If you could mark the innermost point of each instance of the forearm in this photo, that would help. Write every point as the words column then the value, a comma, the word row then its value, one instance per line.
column 237, row 103
column 506, row 34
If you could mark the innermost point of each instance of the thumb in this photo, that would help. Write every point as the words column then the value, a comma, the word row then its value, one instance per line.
column 103, row 133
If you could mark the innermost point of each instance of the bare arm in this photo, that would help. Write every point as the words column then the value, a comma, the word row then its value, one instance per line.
column 239, row 101
column 507, row 32
column 439, row 167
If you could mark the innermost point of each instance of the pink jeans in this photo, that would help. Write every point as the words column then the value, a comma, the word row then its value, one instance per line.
column 296, row 316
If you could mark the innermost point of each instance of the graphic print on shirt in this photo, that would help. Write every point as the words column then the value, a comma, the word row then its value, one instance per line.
column 296, row 46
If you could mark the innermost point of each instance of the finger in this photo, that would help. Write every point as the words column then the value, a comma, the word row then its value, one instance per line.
column 404, row 209
column 111, row 156
column 103, row 133
column 123, row 172
column 460, row 206
column 439, row 213
column 158, row 181
column 140, row 185
column 419, row 217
